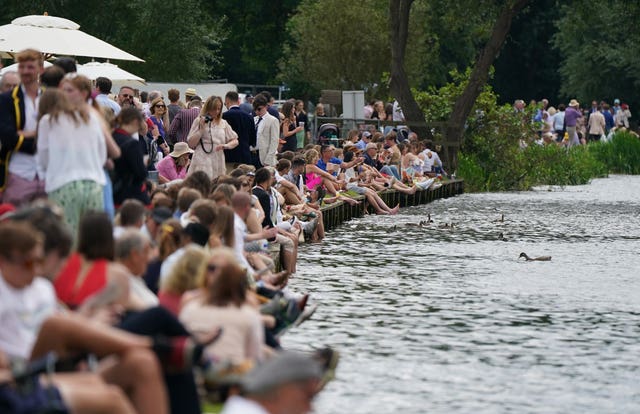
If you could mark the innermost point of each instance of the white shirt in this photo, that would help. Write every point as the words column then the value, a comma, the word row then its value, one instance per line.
column 558, row 121
column 397, row 112
column 169, row 262
column 22, row 312
column 241, row 405
column 141, row 292
column 69, row 152
column 21, row 164
column 104, row 100
column 240, row 231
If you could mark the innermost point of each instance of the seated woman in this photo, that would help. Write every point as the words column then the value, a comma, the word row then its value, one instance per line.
column 182, row 277
column 222, row 303
column 175, row 166
column 352, row 178
column 90, row 279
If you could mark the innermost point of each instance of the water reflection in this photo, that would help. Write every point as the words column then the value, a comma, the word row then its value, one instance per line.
column 433, row 319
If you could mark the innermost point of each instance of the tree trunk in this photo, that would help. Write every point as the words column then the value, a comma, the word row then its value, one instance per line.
column 479, row 77
column 399, row 83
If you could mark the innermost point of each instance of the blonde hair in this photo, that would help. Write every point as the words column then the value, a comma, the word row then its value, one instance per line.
column 165, row 116
column 188, row 269
column 310, row 155
column 210, row 104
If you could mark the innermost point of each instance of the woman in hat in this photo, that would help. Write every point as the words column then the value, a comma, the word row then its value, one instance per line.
column 571, row 116
column 210, row 135
column 174, row 167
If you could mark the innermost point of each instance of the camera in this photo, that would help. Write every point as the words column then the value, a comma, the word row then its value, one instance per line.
column 208, row 118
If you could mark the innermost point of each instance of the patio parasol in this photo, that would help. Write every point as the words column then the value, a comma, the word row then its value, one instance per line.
column 94, row 70
column 55, row 35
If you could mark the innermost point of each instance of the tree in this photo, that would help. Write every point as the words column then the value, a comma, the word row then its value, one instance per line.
column 255, row 31
column 336, row 45
column 399, row 11
column 479, row 76
column 178, row 41
column 600, row 46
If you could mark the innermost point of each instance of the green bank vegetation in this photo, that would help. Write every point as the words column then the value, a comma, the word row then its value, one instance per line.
column 492, row 158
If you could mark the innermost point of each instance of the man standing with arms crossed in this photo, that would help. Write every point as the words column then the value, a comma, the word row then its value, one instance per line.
column 20, row 180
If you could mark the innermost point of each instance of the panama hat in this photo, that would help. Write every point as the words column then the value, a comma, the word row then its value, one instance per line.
column 574, row 103
column 179, row 149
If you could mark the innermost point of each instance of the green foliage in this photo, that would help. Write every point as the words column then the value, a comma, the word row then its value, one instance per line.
column 333, row 44
column 600, row 44
column 176, row 38
column 621, row 155
column 255, row 35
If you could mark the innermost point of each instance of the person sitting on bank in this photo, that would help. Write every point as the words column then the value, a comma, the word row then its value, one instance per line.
column 175, row 166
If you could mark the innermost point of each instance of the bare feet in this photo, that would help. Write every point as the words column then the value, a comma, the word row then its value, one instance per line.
column 394, row 210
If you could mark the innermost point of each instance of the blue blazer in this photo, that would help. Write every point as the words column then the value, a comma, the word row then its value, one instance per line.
column 12, row 118
column 242, row 124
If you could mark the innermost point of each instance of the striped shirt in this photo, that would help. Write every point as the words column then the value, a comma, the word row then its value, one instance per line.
column 181, row 125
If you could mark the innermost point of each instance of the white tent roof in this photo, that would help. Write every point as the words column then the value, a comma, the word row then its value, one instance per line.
column 14, row 67
column 55, row 35
column 94, row 70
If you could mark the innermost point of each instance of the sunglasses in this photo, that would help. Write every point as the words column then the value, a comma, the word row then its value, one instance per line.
column 160, row 106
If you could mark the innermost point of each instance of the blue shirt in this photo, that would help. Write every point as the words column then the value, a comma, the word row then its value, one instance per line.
column 323, row 165
column 361, row 145
column 104, row 100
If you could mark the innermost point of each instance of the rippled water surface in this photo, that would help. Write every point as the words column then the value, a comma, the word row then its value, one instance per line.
column 440, row 320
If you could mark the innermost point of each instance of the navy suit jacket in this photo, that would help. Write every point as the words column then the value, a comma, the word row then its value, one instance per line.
column 242, row 124
column 12, row 115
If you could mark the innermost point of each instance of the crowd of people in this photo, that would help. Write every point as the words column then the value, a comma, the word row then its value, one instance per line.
column 571, row 125
column 158, row 240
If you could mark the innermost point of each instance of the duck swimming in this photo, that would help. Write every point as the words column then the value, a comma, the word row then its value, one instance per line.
column 534, row 259
column 500, row 220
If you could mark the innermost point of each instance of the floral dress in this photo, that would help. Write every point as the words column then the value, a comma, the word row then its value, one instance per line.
column 205, row 157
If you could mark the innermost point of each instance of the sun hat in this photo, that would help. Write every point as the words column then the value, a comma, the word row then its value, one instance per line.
column 366, row 134
column 179, row 149
column 190, row 92
column 616, row 101
column 574, row 103
column 284, row 368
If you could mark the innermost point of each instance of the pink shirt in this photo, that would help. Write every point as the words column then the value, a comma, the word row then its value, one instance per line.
column 167, row 168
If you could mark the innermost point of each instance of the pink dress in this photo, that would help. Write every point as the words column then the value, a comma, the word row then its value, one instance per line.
column 168, row 169
column 205, row 157
column 313, row 180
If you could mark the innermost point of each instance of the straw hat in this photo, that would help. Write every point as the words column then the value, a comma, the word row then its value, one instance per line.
column 190, row 92
column 574, row 103
column 179, row 149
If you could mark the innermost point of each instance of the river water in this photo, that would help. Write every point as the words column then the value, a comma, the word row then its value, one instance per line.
column 439, row 320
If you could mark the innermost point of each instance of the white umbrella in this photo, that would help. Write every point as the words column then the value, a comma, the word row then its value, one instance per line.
column 55, row 35
column 94, row 70
column 14, row 67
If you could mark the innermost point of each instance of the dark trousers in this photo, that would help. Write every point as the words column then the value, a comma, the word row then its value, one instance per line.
column 182, row 390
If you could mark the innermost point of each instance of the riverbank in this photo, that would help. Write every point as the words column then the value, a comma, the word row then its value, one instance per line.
column 337, row 213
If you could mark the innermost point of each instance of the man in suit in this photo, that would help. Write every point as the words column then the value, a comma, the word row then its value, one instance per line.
column 243, row 125
column 20, row 180
column 267, row 132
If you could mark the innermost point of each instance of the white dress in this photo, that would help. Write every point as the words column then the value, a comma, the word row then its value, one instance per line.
column 205, row 157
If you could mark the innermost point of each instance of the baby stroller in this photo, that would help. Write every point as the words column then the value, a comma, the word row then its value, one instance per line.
column 328, row 134
column 402, row 132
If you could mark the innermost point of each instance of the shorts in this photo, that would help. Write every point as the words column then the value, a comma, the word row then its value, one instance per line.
column 357, row 189
column 31, row 398
column 285, row 242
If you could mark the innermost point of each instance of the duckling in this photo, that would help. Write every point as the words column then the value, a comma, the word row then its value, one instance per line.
column 428, row 221
column 532, row 259
column 502, row 238
column 447, row 226
column 500, row 220
column 420, row 224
